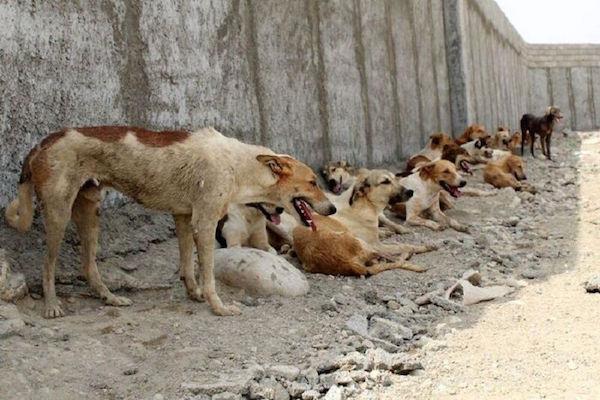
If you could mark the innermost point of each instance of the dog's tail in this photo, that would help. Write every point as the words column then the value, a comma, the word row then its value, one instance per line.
column 19, row 213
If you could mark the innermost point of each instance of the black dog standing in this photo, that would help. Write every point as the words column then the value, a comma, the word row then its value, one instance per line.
column 543, row 126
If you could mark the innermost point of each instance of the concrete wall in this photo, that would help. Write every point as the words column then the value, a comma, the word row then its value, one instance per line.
column 363, row 80
column 567, row 76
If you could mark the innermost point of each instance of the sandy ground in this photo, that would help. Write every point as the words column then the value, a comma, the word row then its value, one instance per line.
column 542, row 344
column 153, row 348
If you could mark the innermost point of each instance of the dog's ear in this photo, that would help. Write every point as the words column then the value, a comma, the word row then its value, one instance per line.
column 426, row 170
column 360, row 190
column 279, row 165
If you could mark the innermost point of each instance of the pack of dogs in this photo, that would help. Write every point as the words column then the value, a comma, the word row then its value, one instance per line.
column 220, row 190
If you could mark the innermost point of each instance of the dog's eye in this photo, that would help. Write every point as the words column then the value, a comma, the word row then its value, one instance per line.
column 313, row 183
column 386, row 182
column 447, row 171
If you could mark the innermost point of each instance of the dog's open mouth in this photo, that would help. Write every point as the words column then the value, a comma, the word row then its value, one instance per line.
column 453, row 190
column 466, row 167
column 275, row 217
column 335, row 186
column 303, row 210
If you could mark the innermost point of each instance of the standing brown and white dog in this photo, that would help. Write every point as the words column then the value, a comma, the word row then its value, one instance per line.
column 193, row 176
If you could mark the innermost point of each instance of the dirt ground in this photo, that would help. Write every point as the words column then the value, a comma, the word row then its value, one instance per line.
column 164, row 341
column 541, row 344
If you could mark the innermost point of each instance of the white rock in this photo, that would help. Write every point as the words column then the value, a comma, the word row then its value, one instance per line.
column 11, row 322
column 334, row 393
column 259, row 272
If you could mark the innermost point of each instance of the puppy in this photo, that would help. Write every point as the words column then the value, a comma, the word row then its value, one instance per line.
column 473, row 132
column 427, row 183
column 507, row 172
column 246, row 225
column 542, row 126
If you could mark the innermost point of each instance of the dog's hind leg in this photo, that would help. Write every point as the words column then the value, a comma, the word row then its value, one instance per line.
column 86, row 215
column 543, row 145
column 386, row 266
column 183, row 229
column 532, row 143
column 548, row 142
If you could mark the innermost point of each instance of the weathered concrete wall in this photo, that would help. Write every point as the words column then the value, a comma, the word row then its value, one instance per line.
column 355, row 79
column 493, row 73
column 567, row 76
column 363, row 80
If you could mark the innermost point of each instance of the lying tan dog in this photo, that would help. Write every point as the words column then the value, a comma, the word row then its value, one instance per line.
column 452, row 152
column 507, row 172
column 340, row 177
column 472, row 132
column 246, row 225
column 192, row 176
column 427, row 183
column 501, row 139
column 435, row 145
column 348, row 243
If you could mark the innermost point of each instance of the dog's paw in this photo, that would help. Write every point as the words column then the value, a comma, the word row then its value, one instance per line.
column 227, row 310
column 461, row 228
column 196, row 295
column 119, row 301
column 52, row 309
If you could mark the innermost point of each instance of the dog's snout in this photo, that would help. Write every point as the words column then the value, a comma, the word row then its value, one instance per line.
column 523, row 177
column 408, row 193
column 331, row 210
column 279, row 210
column 463, row 183
column 332, row 182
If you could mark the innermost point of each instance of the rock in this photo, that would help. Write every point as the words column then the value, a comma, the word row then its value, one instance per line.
column 12, row 284
column 531, row 273
column 353, row 360
column 358, row 324
column 396, row 363
column 371, row 296
column 335, row 378
column 446, row 304
column 593, row 285
column 227, row 396
column 11, row 322
column 389, row 330
column 334, row 393
column 259, row 272
column 310, row 376
column 288, row 372
column 295, row 389
column 250, row 301
column 311, row 395
column 233, row 383
column 268, row 388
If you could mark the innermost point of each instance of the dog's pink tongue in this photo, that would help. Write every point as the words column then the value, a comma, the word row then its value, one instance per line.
column 456, row 191
column 275, row 218
column 337, row 188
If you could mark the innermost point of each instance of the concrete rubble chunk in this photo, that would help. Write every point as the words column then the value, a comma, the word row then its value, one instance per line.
column 288, row 372
column 334, row 393
column 11, row 322
column 12, row 284
column 389, row 330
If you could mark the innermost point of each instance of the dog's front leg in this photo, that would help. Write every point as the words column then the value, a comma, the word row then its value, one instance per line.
column 445, row 220
column 548, row 141
column 204, row 237
column 183, row 229
column 388, row 223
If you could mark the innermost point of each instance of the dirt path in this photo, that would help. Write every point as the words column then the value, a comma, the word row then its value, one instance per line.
column 541, row 344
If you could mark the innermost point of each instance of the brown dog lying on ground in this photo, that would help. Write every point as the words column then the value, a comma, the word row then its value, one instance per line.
column 348, row 243
column 543, row 126
column 427, row 183
column 472, row 132
column 500, row 139
column 507, row 172
column 194, row 176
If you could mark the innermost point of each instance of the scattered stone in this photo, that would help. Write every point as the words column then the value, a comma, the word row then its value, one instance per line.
column 311, row 395
column 593, row 285
column 268, row 388
column 396, row 363
column 389, row 330
column 329, row 306
column 334, row 393
column 472, row 292
column 531, row 273
column 130, row 371
column 12, row 284
column 295, row 389
column 446, row 304
column 227, row 396
column 353, row 360
column 234, row 383
column 358, row 324
column 288, row 372
column 250, row 301
column 259, row 272
column 371, row 296
column 11, row 322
